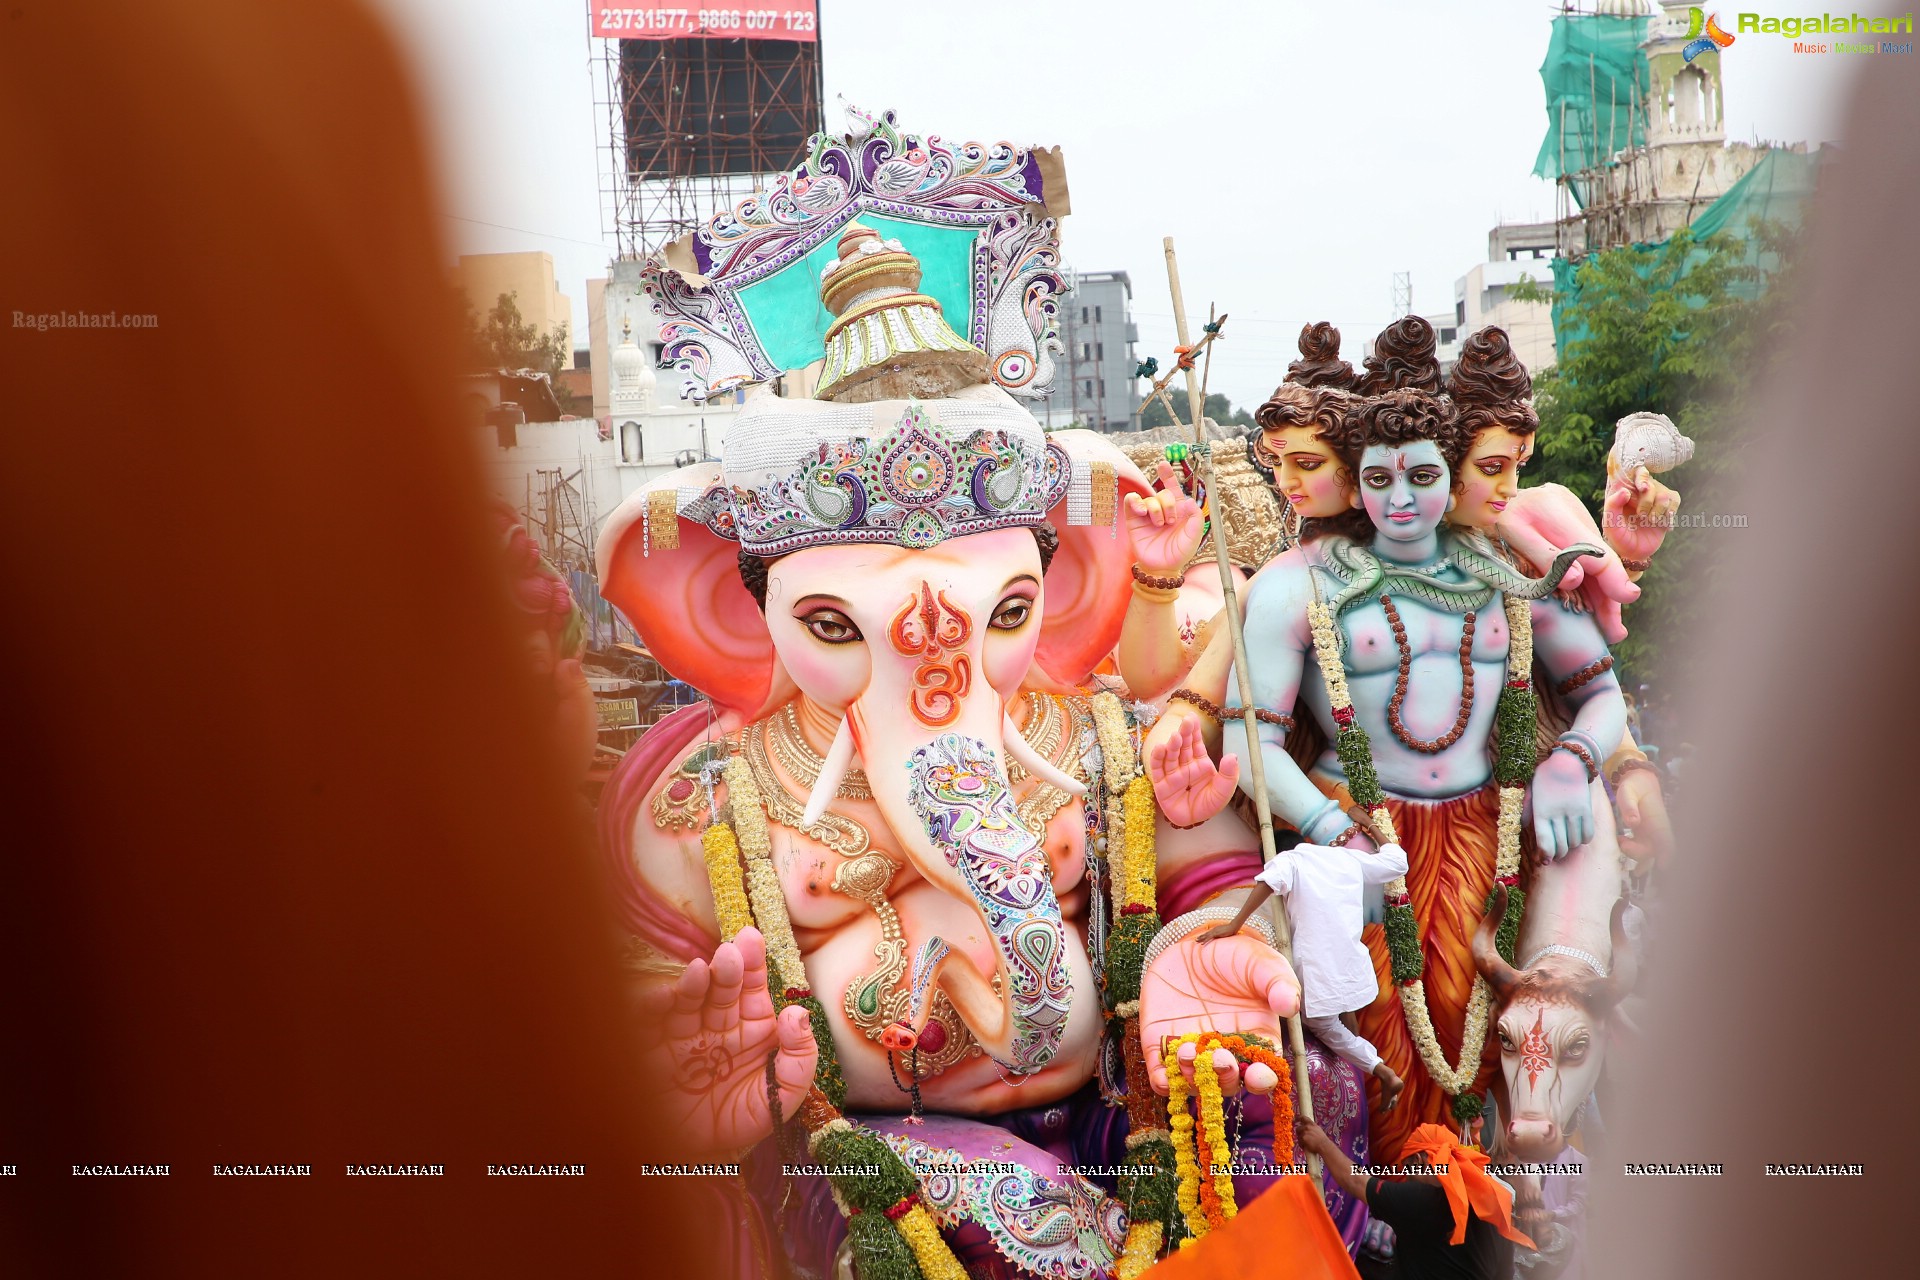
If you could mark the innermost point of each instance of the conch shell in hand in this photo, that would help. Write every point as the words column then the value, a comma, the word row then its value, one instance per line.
column 1648, row 440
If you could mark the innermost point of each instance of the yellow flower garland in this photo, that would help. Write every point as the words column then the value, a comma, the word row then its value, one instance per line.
column 763, row 882
column 724, row 875
column 1213, row 1122
column 930, row 1250
column 1142, row 1249
column 1138, row 845
column 1186, row 1167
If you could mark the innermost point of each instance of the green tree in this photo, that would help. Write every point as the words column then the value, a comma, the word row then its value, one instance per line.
column 506, row 340
column 1154, row 412
column 1677, row 329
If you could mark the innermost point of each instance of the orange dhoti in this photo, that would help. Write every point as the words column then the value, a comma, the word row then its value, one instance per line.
column 1450, row 848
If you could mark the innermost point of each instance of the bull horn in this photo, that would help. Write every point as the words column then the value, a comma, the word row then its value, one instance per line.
column 1036, row 764
column 1493, row 966
column 1624, row 965
column 833, row 771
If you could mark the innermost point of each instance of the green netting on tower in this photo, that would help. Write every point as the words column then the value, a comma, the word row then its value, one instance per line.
column 1595, row 75
column 1771, row 198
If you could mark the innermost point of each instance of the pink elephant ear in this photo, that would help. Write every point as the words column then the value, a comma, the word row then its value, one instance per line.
column 1088, row 582
column 678, row 583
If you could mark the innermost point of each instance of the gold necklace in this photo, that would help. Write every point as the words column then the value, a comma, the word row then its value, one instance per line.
column 797, row 756
column 875, row 1000
column 839, row 833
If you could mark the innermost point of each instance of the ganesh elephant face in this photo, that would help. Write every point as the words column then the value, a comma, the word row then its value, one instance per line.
column 909, row 642
column 920, row 652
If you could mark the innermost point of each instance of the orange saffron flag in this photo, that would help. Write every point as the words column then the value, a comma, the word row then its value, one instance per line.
column 1284, row 1232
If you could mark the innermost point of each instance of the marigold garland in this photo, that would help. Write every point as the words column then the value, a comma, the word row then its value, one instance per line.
column 1253, row 1049
column 1137, row 801
column 891, row 1235
column 1149, row 1185
column 1205, row 1188
column 1141, row 1251
column 722, row 852
column 1514, row 717
column 936, row 1259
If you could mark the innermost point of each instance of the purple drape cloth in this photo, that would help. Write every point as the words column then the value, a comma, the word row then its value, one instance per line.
column 1078, row 1131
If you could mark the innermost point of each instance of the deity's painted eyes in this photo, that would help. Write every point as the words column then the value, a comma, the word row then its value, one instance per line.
column 1308, row 461
column 1492, row 466
column 1012, row 613
column 1425, row 477
column 1506, row 1041
column 1378, row 479
column 830, row 626
column 1576, row 1050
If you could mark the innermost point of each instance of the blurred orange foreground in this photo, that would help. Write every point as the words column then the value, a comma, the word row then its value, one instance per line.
column 1285, row 1232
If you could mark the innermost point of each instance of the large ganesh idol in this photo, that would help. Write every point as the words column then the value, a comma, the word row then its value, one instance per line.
column 876, row 879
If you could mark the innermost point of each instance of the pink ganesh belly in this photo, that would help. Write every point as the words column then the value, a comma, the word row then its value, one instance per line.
column 856, row 970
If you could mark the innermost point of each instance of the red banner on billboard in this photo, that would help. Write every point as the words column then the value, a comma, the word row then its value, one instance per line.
column 796, row 20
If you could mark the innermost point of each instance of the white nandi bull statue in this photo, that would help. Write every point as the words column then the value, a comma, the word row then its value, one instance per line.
column 1553, row 1011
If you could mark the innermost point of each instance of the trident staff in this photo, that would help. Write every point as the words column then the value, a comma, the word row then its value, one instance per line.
column 1296, row 1038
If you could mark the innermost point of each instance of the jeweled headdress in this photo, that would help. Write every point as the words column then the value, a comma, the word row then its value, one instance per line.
column 800, row 474
column 871, row 461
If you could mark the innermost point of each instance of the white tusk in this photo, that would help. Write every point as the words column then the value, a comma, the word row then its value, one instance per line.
column 832, row 771
column 1036, row 764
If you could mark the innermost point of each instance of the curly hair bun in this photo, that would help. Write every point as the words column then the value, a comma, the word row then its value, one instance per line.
column 1320, row 364
column 1403, row 358
column 1488, row 372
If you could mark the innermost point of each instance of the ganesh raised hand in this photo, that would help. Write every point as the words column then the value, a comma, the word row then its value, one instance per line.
column 1190, row 790
column 708, row 1037
column 1233, row 984
column 1164, row 527
column 1640, row 511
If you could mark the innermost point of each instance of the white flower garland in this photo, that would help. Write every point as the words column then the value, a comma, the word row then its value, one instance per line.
column 1452, row 1077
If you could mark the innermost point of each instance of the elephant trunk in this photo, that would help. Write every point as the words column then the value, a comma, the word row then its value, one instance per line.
column 948, row 800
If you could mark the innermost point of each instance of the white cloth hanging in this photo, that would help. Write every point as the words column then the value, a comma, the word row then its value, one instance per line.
column 1323, row 885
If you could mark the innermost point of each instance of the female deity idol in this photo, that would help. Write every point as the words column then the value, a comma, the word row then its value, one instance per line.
column 1173, row 616
column 1492, row 394
column 1396, row 645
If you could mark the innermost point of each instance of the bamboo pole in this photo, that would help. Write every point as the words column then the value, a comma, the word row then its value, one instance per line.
column 1256, row 769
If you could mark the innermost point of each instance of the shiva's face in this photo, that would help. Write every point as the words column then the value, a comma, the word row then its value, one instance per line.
column 1404, row 488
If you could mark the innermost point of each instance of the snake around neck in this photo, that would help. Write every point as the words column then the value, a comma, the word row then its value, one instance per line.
column 1361, row 575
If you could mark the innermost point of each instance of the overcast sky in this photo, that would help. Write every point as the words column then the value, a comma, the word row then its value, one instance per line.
column 1299, row 154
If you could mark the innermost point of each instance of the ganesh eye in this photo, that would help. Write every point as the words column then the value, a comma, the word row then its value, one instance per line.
column 1425, row 476
column 1575, row 1051
column 1012, row 613
column 831, row 626
column 1506, row 1041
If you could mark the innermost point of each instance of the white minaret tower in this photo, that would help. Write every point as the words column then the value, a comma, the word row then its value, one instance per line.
column 630, row 394
column 1683, row 103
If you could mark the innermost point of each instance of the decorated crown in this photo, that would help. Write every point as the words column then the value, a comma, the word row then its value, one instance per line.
column 801, row 474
